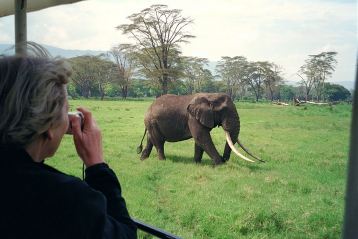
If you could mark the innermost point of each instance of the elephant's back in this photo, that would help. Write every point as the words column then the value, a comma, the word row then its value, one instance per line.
column 169, row 104
column 169, row 114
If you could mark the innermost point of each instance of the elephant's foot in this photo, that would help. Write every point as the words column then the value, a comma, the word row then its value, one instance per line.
column 225, row 159
column 144, row 155
column 197, row 160
column 198, row 154
column 219, row 161
column 226, row 155
column 161, row 157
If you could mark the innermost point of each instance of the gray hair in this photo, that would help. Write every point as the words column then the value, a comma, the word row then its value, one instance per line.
column 32, row 94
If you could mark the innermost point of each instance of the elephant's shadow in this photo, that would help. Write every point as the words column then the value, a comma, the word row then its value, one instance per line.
column 187, row 160
column 209, row 162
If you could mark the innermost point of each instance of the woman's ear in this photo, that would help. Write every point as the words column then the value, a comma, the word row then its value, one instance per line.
column 202, row 110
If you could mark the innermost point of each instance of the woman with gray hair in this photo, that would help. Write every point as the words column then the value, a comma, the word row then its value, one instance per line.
column 38, row 201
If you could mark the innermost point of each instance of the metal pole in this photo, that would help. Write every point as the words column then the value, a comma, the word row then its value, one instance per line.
column 350, row 229
column 20, row 27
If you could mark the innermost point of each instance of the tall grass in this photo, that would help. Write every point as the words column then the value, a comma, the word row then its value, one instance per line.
column 298, row 193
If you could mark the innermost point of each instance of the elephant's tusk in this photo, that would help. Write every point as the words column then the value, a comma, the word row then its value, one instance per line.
column 248, row 152
column 229, row 141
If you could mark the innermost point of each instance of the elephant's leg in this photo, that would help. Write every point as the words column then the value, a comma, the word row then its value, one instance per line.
column 227, row 152
column 210, row 149
column 160, row 149
column 148, row 149
column 158, row 141
column 198, row 153
column 202, row 137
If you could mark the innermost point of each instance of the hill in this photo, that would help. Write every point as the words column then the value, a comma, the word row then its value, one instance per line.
column 54, row 51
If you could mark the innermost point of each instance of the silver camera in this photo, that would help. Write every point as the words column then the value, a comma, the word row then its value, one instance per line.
column 80, row 117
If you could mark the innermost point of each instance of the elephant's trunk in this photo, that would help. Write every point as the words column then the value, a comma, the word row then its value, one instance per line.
column 229, row 141
column 231, row 122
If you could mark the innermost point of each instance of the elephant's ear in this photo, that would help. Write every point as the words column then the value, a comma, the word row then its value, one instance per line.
column 202, row 111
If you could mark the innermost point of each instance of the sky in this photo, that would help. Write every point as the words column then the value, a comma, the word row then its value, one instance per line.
column 285, row 32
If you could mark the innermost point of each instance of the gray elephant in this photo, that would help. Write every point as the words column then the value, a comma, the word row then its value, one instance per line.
column 175, row 118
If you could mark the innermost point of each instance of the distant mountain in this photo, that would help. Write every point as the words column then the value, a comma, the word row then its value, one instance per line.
column 54, row 51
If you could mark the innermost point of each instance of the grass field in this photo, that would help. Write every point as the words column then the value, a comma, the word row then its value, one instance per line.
column 298, row 193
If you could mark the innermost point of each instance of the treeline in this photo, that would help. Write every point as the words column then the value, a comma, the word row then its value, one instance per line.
column 154, row 65
column 104, row 75
column 96, row 76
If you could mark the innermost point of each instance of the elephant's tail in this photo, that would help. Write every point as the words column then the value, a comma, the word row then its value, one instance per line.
column 140, row 147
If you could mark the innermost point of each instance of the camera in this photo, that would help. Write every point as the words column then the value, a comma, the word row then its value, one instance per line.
column 80, row 117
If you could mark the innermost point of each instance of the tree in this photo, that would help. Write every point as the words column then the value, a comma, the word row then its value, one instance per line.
column 71, row 90
column 83, row 74
column 123, row 56
column 206, row 81
column 91, row 73
column 142, row 88
column 317, row 69
column 325, row 64
column 234, row 72
column 194, row 74
column 241, row 75
column 336, row 92
column 179, row 89
column 256, row 75
column 307, row 82
column 158, row 31
column 287, row 92
column 105, row 75
column 272, row 79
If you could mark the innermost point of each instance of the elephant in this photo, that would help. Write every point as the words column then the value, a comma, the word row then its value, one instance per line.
column 175, row 118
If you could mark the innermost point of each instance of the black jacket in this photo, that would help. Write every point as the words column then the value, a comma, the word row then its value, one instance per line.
column 38, row 201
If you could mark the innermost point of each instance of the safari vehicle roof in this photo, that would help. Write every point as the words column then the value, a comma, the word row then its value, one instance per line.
column 8, row 6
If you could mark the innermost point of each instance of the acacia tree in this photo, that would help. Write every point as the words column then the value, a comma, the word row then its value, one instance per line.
column 194, row 74
column 309, row 72
column 273, row 78
column 157, row 31
column 205, row 81
column 147, row 69
column 317, row 69
column 255, row 76
column 83, row 75
column 90, row 72
column 233, row 71
column 104, row 74
column 325, row 64
column 123, row 56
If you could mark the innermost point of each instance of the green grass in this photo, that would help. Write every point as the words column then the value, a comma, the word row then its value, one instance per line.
column 298, row 193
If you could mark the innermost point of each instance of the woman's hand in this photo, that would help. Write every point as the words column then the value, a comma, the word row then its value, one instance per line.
column 88, row 141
